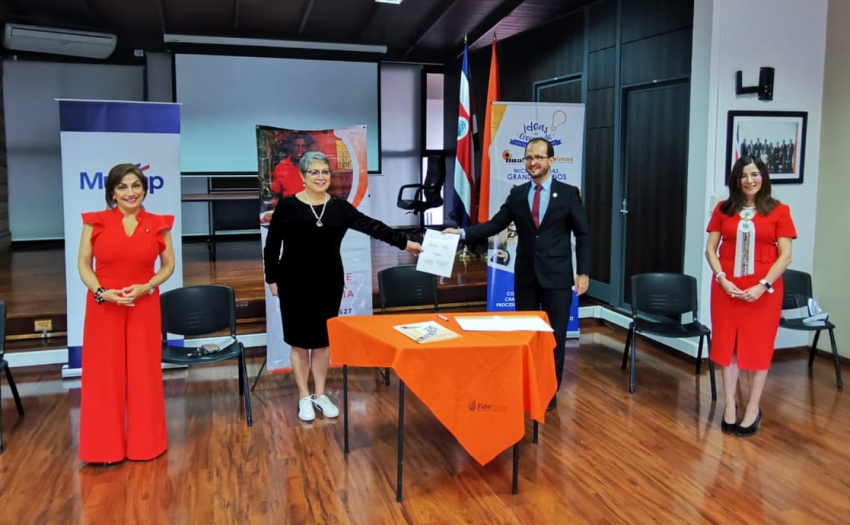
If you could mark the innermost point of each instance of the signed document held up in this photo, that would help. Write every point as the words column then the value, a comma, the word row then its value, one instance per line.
column 438, row 253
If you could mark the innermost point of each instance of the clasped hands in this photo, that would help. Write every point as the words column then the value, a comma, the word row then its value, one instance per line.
column 749, row 295
column 126, row 295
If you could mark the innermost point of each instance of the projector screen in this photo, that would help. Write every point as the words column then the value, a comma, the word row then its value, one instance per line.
column 225, row 97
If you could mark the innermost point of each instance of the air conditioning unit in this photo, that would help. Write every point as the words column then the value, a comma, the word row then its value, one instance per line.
column 59, row 41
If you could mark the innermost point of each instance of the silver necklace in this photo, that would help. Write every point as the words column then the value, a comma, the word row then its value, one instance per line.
column 320, row 215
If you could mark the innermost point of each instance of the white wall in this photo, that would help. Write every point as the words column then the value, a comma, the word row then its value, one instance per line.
column 160, row 89
column 32, row 134
column 832, row 244
column 159, row 77
column 32, row 137
column 400, row 139
column 732, row 35
column 401, row 118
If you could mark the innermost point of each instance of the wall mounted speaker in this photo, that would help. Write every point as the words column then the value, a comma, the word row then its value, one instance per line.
column 765, row 88
column 766, row 83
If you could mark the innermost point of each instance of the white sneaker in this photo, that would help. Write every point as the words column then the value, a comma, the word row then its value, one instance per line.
column 305, row 409
column 324, row 404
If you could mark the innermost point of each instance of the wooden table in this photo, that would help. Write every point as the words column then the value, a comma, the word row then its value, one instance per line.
column 219, row 196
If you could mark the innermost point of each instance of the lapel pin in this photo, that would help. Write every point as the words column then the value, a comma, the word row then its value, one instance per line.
column 554, row 195
column 147, row 231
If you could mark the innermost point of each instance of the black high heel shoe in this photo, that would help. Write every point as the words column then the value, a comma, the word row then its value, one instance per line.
column 750, row 430
column 729, row 428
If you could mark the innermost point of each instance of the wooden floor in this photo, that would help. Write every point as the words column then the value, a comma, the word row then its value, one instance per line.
column 605, row 456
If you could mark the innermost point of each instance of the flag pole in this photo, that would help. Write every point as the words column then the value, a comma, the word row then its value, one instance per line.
column 464, row 168
column 493, row 95
column 465, row 255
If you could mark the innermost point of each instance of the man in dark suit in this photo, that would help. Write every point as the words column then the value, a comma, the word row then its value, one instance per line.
column 544, row 212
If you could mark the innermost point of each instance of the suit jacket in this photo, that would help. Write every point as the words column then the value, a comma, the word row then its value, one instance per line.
column 545, row 252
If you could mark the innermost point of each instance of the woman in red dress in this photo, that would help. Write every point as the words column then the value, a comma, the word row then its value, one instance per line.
column 754, row 233
column 122, row 411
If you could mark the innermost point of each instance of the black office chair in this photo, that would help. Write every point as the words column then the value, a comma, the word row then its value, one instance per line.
column 427, row 195
column 402, row 286
column 797, row 292
column 201, row 310
column 659, row 300
column 5, row 366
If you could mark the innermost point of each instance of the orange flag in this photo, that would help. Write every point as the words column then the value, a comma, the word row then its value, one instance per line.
column 493, row 95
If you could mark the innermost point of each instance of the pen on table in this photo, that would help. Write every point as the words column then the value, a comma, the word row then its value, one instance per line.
column 443, row 317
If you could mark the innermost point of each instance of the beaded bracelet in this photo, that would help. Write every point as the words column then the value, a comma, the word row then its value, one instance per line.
column 98, row 295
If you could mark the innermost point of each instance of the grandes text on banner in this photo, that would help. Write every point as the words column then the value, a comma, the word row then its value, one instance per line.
column 513, row 125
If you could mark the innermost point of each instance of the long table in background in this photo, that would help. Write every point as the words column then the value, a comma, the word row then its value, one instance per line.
column 218, row 196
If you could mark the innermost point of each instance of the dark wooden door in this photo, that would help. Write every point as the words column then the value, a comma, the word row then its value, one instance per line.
column 655, row 160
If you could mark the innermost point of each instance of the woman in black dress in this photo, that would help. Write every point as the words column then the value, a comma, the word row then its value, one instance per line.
column 308, row 277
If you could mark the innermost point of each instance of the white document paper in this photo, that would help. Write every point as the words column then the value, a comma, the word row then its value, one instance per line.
column 508, row 323
column 438, row 253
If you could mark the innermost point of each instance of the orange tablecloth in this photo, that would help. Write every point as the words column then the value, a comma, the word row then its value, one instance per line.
column 479, row 386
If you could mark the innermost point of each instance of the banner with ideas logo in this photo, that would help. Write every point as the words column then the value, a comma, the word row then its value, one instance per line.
column 513, row 125
column 279, row 155
column 95, row 136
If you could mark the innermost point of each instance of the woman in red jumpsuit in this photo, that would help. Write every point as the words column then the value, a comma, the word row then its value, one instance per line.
column 754, row 233
column 122, row 412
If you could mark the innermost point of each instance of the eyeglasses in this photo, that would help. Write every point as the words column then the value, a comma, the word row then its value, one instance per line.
column 538, row 158
column 315, row 173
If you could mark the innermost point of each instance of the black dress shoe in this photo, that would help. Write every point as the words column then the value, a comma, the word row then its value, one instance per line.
column 729, row 428
column 552, row 404
column 102, row 463
column 750, row 430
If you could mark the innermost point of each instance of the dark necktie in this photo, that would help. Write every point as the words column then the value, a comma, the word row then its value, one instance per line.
column 535, row 204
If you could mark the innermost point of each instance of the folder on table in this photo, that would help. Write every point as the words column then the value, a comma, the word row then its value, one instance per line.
column 426, row 332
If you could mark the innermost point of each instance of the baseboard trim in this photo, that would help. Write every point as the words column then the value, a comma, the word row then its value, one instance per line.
column 60, row 355
column 685, row 346
column 37, row 358
column 601, row 313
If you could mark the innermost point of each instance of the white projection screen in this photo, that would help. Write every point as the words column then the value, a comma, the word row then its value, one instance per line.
column 225, row 97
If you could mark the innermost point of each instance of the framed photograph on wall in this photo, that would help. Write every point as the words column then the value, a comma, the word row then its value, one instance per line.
column 778, row 138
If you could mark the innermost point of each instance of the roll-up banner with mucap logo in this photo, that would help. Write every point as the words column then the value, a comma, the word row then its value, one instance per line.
column 95, row 136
